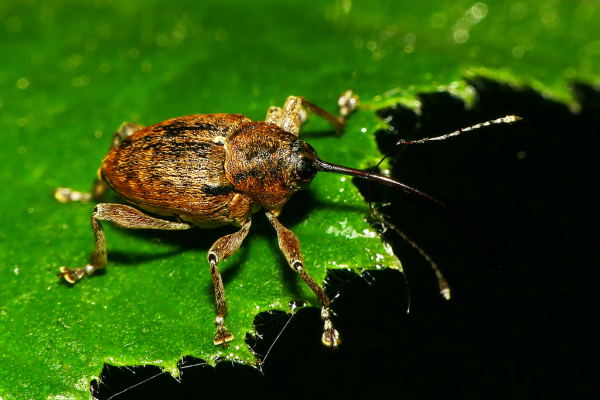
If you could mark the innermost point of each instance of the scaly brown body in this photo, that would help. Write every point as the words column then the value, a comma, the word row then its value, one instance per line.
column 217, row 169
column 177, row 168
column 207, row 171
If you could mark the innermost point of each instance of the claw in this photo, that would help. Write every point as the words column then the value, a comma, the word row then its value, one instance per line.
column 331, row 338
column 71, row 275
column 66, row 195
column 223, row 336
column 348, row 102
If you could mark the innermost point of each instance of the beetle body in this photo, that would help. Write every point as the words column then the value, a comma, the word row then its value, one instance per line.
column 217, row 169
column 208, row 171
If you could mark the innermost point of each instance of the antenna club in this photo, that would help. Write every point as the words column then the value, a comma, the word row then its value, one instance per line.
column 509, row 119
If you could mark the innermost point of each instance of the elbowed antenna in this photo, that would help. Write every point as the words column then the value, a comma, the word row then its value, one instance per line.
column 443, row 285
column 338, row 169
column 509, row 119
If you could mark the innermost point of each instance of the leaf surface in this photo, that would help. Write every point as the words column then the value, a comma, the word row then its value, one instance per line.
column 72, row 72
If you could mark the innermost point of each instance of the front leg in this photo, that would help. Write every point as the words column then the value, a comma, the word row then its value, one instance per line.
column 291, row 116
column 290, row 247
column 123, row 216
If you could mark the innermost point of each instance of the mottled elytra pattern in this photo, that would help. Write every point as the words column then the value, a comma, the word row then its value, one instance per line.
column 177, row 168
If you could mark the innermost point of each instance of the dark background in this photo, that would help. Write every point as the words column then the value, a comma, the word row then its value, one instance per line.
column 514, row 331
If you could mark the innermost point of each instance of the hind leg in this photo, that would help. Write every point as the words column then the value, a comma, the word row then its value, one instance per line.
column 121, row 215
column 66, row 195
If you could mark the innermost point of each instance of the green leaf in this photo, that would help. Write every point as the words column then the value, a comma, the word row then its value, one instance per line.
column 71, row 72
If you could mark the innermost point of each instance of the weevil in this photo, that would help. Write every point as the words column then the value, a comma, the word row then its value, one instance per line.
column 210, row 170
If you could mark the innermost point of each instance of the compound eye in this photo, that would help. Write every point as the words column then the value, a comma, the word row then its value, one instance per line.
column 306, row 168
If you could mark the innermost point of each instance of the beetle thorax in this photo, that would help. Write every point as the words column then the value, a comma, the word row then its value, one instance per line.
column 261, row 163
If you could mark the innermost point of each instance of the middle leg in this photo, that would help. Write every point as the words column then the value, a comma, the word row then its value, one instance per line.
column 223, row 248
